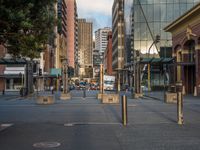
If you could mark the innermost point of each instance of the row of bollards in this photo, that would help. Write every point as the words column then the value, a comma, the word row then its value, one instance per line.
column 179, row 106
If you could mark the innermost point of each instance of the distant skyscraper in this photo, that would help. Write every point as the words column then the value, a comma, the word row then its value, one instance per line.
column 85, row 44
column 118, row 34
column 101, row 39
column 71, row 26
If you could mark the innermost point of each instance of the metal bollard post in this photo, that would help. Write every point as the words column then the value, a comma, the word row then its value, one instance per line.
column 84, row 93
column 179, row 103
column 124, row 110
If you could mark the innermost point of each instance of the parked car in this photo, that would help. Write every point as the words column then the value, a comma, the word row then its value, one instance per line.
column 93, row 87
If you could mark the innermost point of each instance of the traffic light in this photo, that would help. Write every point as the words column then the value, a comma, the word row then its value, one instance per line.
column 40, row 72
column 157, row 38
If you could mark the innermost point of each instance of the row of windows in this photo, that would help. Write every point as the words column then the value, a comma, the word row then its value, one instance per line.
column 163, row 1
column 141, row 31
column 157, row 12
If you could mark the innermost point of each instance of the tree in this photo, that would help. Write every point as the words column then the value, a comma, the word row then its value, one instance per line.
column 26, row 26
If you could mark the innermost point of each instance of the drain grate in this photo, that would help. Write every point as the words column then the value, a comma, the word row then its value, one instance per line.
column 46, row 145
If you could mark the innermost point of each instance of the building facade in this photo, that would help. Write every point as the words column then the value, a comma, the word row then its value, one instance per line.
column 144, row 23
column 118, row 34
column 145, row 19
column 2, row 68
column 71, row 26
column 186, row 50
column 85, row 46
column 108, row 56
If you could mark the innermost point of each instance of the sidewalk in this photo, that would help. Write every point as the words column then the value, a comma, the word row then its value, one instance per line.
column 159, row 95
column 87, row 124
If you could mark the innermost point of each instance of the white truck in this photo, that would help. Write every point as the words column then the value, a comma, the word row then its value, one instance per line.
column 109, row 82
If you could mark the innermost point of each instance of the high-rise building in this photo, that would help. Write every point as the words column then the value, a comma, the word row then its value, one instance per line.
column 118, row 34
column 101, row 39
column 72, row 32
column 145, row 19
column 62, row 33
column 85, row 45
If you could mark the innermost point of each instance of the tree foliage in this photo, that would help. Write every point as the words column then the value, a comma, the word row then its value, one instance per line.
column 26, row 25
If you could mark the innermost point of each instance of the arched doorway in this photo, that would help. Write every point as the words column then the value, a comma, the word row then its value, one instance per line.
column 189, row 78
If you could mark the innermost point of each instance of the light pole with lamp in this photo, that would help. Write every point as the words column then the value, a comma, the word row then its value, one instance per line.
column 101, row 81
column 156, row 40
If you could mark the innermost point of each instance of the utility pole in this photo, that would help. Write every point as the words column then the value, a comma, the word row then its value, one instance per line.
column 101, row 79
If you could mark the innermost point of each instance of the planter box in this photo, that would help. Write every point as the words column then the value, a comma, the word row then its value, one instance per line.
column 110, row 98
column 170, row 97
column 66, row 96
column 45, row 99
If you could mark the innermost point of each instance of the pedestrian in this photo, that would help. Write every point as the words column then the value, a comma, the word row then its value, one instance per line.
column 52, row 90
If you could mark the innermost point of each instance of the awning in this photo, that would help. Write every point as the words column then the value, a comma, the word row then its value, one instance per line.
column 156, row 61
column 7, row 61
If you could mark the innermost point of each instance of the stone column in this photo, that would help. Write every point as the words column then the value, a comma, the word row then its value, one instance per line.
column 11, row 86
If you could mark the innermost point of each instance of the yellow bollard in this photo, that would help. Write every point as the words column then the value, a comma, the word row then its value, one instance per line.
column 124, row 110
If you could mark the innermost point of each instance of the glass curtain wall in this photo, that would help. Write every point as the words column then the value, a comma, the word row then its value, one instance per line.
column 158, row 14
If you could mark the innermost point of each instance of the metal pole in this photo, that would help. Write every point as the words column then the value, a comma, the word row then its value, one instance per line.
column 100, row 78
column 84, row 92
column 22, row 81
column 164, row 73
column 124, row 110
column 179, row 86
column 149, row 78
column 118, row 82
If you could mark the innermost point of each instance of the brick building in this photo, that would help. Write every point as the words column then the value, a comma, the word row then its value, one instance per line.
column 2, row 68
column 108, row 55
column 186, row 49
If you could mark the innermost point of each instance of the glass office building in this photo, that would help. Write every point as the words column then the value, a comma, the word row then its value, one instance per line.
column 144, row 19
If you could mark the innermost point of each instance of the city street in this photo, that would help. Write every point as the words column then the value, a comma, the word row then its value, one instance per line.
column 87, row 124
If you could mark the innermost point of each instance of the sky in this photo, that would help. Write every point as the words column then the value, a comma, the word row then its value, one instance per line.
column 97, row 11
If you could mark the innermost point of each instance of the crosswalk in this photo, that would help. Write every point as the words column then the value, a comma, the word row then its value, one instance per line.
column 5, row 125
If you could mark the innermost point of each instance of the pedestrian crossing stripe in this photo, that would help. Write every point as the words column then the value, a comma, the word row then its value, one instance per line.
column 4, row 126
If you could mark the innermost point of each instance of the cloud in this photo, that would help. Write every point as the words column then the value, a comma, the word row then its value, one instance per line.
column 99, row 12
column 86, row 7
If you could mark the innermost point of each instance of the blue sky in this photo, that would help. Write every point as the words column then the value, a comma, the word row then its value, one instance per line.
column 97, row 11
